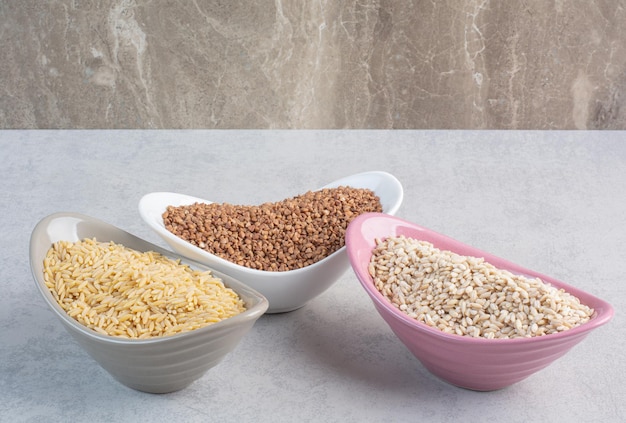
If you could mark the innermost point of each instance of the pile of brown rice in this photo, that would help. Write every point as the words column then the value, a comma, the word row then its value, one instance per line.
column 464, row 295
column 122, row 292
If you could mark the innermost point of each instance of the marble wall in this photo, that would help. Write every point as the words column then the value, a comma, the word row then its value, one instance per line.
column 477, row 64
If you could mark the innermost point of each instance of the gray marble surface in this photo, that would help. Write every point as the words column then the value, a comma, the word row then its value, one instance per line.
column 353, row 64
column 551, row 201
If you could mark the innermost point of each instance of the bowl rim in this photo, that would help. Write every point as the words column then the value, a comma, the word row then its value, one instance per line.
column 251, row 313
column 152, row 217
column 357, row 243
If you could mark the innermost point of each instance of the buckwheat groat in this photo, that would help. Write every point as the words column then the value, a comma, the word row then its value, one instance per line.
column 285, row 235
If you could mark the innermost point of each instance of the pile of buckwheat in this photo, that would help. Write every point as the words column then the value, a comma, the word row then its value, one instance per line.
column 280, row 236
column 464, row 295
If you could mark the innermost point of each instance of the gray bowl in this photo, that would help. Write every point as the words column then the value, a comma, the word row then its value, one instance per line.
column 156, row 365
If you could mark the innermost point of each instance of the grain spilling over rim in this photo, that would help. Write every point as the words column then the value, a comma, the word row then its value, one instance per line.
column 466, row 296
column 122, row 292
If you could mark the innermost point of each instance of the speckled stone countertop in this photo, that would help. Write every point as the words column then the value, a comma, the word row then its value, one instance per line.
column 550, row 201
column 271, row 64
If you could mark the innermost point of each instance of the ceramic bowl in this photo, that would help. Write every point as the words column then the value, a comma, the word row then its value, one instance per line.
column 285, row 291
column 156, row 365
column 474, row 363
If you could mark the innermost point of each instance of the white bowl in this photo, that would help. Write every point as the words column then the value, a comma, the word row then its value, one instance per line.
column 285, row 291
column 156, row 365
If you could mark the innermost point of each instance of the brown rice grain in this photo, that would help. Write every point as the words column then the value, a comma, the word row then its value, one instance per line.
column 122, row 292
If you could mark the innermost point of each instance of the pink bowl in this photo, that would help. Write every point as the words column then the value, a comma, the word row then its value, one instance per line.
column 473, row 363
